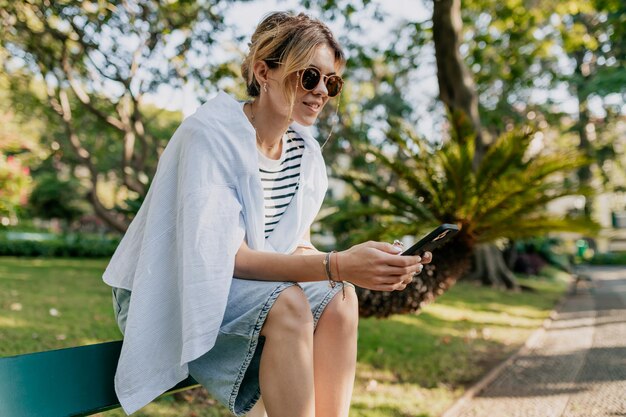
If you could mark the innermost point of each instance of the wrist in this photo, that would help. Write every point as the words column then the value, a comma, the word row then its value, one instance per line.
column 328, row 267
column 336, row 268
column 343, row 285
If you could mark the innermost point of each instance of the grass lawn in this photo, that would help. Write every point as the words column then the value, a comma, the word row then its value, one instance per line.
column 409, row 365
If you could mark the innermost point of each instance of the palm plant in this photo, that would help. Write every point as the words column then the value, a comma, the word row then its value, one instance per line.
column 417, row 185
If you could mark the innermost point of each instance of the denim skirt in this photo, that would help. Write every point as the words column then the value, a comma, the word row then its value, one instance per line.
column 230, row 370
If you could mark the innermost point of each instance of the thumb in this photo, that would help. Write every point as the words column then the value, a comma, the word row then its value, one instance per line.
column 386, row 247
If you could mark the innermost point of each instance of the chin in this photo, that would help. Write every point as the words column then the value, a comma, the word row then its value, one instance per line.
column 304, row 121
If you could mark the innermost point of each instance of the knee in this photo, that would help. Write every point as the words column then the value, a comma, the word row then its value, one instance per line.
column 290, row 314
column 343, row 313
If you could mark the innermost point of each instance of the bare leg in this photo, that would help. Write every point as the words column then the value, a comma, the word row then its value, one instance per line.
column 335, row 355
column 286, row 372
column 258, row 410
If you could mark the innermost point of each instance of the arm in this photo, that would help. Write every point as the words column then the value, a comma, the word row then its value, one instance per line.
column 269, row 266
column 372, row 265
column 248, row 262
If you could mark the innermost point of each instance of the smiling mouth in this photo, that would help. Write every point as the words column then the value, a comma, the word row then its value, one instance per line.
column 313, row 106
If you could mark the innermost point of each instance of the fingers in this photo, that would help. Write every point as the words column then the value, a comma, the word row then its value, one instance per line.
column 427, row 257
column 404, row 268
column 400, row 282
column 399, row 261
column 395, row 260
column 385, row 247
column 408, row 278
column 390, row 287
column 388, row 255
column 377, row 266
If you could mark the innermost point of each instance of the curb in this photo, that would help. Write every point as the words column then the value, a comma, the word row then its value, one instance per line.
column 531, row 343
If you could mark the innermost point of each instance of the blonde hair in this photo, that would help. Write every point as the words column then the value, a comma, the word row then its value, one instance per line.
column 289, row 40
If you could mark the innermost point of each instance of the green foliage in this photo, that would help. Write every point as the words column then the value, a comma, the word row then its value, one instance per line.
column 420, row 185
column 14, row 185
column 553, row 250
column 613, row 258
column 69, row 246
column 515, row 48
column 84, row 68
column 520, row 59
column 55, row 198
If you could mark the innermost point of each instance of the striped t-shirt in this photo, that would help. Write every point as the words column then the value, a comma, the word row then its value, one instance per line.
column 280, row 178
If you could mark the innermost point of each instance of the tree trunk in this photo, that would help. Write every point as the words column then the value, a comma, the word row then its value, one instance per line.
column 583, row 74
column 458, row 91
column 449, row 264
column 491, row 269
column 456, row 86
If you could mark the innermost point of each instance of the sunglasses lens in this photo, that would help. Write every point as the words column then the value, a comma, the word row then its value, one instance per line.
column 333, row 85
column 310, row 79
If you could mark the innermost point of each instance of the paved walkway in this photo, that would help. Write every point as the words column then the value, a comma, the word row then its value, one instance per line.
column 575, row 367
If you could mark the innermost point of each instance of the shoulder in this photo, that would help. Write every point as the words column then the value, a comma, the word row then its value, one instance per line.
column 219, row 133
column 222, row 123
column 221, row 112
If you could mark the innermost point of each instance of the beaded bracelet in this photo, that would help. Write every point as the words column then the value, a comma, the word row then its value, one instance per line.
column 343, row 284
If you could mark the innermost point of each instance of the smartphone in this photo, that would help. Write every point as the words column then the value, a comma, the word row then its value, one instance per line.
column 438, row 237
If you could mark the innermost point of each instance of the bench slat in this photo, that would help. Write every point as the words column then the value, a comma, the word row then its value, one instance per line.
column 66, row 382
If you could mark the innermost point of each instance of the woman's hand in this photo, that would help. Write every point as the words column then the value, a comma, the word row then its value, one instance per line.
column 378, row 266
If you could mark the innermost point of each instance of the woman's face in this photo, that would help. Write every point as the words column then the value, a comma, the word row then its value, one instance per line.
column 308, row 104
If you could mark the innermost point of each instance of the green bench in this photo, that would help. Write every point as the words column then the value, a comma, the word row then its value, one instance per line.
column 66, row 382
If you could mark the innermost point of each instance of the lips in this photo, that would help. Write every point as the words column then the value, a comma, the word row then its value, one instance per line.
column 315, row 106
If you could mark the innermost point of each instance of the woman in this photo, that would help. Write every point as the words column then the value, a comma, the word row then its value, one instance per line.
column 225, row 284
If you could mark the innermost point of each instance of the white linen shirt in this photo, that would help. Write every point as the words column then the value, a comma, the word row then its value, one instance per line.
column 178, row 254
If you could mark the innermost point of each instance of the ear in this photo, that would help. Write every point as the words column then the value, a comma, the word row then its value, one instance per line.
column 261, row 72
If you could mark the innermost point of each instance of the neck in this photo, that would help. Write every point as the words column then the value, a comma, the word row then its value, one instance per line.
column 270, row 126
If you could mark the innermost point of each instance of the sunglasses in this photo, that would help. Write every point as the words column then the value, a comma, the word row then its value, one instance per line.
column 310, row 78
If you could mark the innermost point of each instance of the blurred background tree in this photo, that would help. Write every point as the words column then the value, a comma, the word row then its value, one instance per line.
column 528, row 59
column 14, row 184
column 85, row 67
column 54, row 198
column 19, row 151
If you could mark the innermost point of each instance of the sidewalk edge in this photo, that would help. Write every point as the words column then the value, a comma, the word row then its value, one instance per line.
column 528, row 346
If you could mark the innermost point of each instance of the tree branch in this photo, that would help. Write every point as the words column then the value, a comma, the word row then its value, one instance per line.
column 129, row 147
column 62, row 107
column 84, row 97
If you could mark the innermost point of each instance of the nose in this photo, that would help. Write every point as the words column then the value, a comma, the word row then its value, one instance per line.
column 320, row 88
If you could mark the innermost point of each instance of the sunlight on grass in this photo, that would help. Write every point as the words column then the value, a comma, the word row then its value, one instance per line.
column 519, row 317
column 378, row 394
column 192, row 406
column 11, row 322
column 90, row 341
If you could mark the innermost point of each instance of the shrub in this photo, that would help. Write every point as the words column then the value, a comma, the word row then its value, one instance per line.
column 611, row 258
column 70, row 246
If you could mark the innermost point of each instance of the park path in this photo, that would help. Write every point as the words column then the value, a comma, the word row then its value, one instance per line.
column 574, row 367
